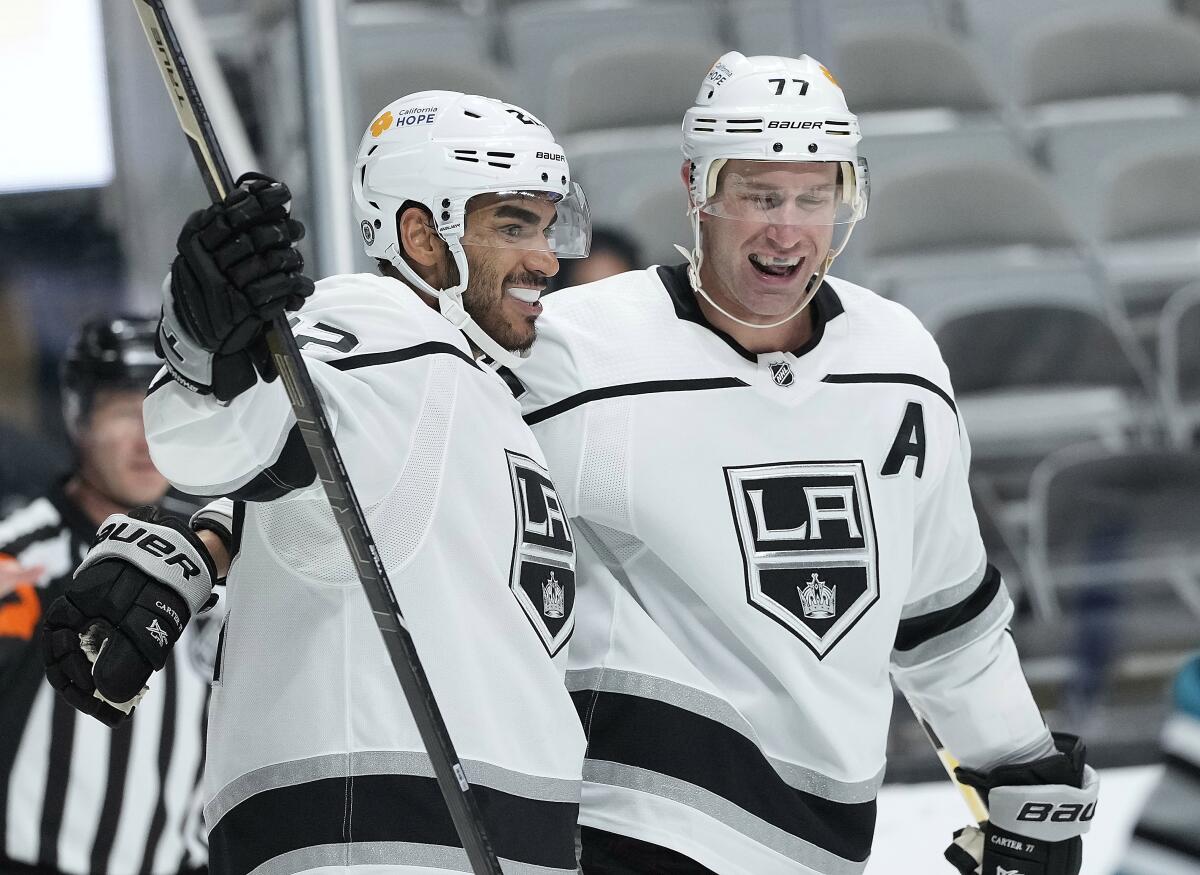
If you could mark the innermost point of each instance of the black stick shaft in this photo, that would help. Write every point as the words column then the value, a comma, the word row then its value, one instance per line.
column 331, row 470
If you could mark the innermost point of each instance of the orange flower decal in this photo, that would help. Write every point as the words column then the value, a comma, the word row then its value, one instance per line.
column 384, row 122
column 829, row 75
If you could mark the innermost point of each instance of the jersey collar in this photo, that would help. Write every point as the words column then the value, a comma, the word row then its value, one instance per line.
column 826, row 306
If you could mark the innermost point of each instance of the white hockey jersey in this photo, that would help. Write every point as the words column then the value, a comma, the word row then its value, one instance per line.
column 314, row 759
column 779, row 533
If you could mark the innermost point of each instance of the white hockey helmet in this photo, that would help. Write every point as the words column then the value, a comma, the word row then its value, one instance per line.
column 768, row 108
column 442, row 148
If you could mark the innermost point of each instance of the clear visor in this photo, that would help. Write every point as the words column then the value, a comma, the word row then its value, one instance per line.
column 790, row 198
column 538, row 220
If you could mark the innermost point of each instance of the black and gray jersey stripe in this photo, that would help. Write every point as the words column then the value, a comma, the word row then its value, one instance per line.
column 75, row 796
column 652, row 735
column 950, row 619
column 341, row 809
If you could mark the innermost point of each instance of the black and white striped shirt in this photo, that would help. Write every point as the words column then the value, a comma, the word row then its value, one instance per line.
column 75, row 796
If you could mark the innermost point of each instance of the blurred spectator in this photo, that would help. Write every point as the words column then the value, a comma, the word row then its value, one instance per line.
column 1166, row 840
column 75, row 796
column 27, row 463
column 612, row 252
column 27, row 466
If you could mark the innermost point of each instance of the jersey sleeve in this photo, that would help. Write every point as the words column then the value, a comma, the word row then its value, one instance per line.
column 251, row 448
column 953, row 657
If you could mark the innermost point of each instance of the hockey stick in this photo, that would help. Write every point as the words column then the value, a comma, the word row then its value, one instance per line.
column 949, row 762
column 318, row 437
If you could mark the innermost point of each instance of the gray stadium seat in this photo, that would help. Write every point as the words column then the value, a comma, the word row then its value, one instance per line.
column 616, row 166
column 1179, row 364
column 962, row 217
column 968, row 205
column 1124, row 520
column 917, row 141
column 945, row 295
column 897, row 144
column 1041, row 362
column 623, row 83
column 1083, row 156
column 997, row 28
column 766, row 27
column 414, row 30
column 921, row 101
column 1150, row 231
column 399, row 48
column 1089, row 57
column 1155, row 196
column 538, row 32
column 889, row 69
column 658, row 219
column 822, row 22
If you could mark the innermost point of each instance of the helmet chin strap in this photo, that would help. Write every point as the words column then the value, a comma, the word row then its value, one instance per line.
column 695, row 258
column 451, row 307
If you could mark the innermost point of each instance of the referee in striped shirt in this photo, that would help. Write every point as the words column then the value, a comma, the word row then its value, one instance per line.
column 75, row 796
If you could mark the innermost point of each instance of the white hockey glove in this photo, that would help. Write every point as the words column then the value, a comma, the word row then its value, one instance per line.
column 1037, row 811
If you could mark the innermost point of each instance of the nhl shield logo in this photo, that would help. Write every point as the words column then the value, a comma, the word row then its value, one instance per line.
column 543, row 567
column 781, row 373
column 808, row 545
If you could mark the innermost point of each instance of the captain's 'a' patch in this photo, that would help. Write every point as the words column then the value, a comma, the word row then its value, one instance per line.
column 808, row 545
column 543, row 567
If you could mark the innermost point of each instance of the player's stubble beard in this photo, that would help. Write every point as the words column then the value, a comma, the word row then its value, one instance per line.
column 484, row 299
column 735, row 286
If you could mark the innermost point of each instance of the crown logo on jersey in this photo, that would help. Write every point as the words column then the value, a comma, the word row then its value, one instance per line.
column 157, row 633
column 553, row 598
column 781, row 373
column 817, row 600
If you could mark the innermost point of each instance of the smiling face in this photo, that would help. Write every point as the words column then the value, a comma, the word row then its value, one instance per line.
column 767, row 230
column 509, row 260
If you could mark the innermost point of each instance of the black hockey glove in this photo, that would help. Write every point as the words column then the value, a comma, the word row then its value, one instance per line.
column 1037, row 813
column 237, row 269
column 123, row 612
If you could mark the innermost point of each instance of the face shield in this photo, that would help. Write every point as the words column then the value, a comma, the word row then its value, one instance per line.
column 791, row 200
column 525, row 219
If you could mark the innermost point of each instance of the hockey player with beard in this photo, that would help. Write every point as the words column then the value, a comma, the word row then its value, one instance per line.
column 315, row 760
column 772, row 465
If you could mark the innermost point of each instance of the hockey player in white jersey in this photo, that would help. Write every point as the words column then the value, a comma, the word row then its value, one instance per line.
column 314, row 758
column 771, row 463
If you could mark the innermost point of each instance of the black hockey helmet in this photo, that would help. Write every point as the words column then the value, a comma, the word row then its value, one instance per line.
column 106, row 353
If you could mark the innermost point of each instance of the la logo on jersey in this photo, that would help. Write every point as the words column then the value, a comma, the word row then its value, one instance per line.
column 543, row 566
column 808, row 545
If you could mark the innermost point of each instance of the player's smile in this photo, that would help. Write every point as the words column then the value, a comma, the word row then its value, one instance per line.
column 524, row 296
column 775, row 266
